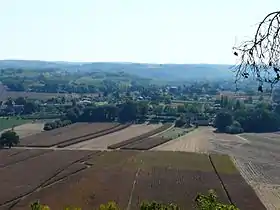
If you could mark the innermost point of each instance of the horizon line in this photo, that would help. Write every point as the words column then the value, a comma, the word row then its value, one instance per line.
column 123, row 62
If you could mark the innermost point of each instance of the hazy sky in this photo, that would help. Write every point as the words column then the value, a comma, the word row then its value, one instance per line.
column 157, row 31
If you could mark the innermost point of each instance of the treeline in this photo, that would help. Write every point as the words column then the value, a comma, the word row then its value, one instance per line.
column 126, row 112
column 261, row 118
column 56, row 124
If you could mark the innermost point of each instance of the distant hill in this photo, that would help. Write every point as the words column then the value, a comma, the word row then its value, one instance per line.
column 168, row 72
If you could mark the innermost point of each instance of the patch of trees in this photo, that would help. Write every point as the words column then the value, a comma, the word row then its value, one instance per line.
column 258, row 119
column 56, row 124
column 9, row 139
column 125, row 112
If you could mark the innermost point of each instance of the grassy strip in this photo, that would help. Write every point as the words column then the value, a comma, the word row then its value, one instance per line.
column 11, row 121
column 140, row 137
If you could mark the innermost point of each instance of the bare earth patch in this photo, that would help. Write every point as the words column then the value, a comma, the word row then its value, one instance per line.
column 102, row 142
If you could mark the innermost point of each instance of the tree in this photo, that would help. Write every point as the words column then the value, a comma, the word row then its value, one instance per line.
column 143, row 108
column 30, row 107
column 128, row 112
column 9, row 102
column 259, row 57
column 277, row 109
column 222, row 120
column 8, row 139
column 237, row 105
column 20, row 101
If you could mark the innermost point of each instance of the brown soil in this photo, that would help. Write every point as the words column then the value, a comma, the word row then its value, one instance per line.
column 140, row 137
column 59, row 135
column 175, row 186
column 57, row 178
column 103, row 142
column 26, row 176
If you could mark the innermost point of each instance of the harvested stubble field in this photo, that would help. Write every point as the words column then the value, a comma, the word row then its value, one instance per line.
column 195, row 141
column 73, row 134
column 87, row 178
column 156, row 140
column 146, row 135
column 257, row 156
column 102, row 142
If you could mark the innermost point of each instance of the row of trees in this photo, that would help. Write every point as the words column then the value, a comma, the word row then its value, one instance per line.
column 126, row 112
column 257, row 119
column 56, row 124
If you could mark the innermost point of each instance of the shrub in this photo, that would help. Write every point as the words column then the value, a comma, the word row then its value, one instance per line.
column 179, row 123
column 158, row 206
column 210, row 202
column 234, row 128
column 203, row 202
column 56, row 124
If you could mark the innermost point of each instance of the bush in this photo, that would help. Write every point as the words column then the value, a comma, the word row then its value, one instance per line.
column 234, row 128
column 209, row 202
column 56, row 124
column 9, row 139
column 47, row 127
column 203, row 202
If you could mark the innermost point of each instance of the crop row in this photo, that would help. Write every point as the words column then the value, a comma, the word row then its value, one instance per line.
column 65, row 134
column 138, row 138
column 92, row 136
column 146, row 144
column 36, row 172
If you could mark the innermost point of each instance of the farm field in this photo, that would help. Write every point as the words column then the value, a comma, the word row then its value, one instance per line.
column 73, row 132
column 195, row 141
column 28, row 129
column 102, row 142
column 142, row 137
column 6, row 123
column 88, row 178
column 257, row 156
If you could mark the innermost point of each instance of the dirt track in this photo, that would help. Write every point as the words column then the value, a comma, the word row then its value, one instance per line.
column 257, row 156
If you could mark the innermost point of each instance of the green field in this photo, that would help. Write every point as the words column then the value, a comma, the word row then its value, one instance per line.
column 9, row 122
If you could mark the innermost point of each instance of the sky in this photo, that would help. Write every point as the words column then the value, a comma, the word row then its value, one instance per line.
column 145, row 31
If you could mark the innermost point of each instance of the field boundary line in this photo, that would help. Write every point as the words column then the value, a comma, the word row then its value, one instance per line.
column 132, row 189
column 24, row 159
column 40, row 186
column 219, row 177
column 244, row 139
column 163, row 131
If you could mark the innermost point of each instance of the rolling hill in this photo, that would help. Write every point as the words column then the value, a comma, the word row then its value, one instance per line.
column 168, row 72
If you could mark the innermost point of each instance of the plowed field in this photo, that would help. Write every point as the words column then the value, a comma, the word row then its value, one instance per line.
column 87, row 178
column 103, row 142
column 64, row 134
column 257, row 156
